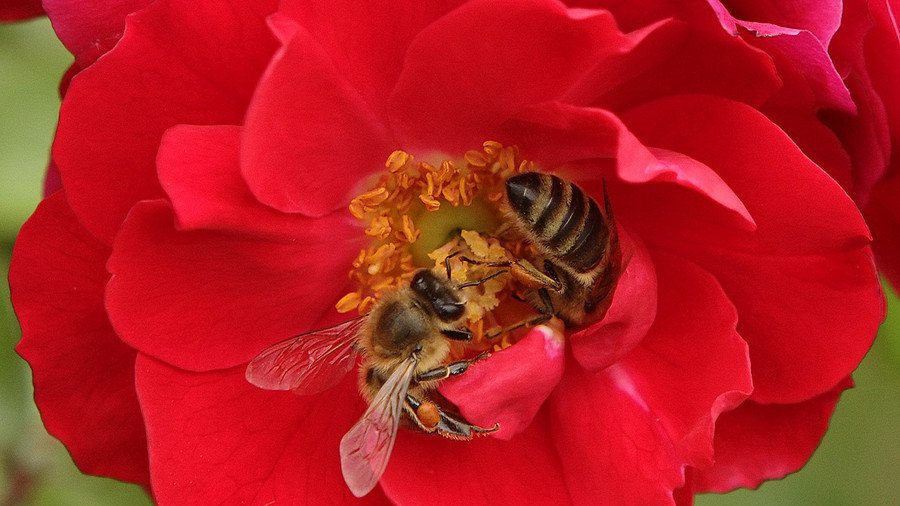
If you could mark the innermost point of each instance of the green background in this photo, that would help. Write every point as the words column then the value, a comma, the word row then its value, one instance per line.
column 858, row 463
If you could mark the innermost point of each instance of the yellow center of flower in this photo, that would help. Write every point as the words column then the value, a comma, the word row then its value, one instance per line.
column 418, row 213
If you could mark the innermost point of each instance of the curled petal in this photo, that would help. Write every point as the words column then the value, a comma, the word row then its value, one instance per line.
column 493, row 390
column 630, row 315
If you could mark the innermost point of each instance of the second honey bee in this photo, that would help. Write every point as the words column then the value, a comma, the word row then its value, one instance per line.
column 404, row 348
column 577, row 245
column 577, row 241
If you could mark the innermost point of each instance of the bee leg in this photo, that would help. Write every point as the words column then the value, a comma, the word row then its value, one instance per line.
column 452, row 427
column 451, row 369
column 424, row 413
column 457, row 335
column 482, row 280
column 525, row 273
column 447, row 261
column 430, row 418
column 545, row 314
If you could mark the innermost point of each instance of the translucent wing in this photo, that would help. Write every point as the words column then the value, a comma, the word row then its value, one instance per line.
column 309, row 363
column 367, row 445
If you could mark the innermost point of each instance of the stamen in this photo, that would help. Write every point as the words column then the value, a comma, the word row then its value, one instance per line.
column 418, row 212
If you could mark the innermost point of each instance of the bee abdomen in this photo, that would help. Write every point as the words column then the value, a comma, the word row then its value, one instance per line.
column 564, row 221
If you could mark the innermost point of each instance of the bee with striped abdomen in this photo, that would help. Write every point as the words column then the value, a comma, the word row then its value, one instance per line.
column 576, row 240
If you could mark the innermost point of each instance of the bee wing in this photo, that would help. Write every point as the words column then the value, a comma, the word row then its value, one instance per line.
column 309, row 363
column 367, row 445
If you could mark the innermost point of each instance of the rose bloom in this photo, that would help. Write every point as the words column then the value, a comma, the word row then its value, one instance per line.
column 208, row 156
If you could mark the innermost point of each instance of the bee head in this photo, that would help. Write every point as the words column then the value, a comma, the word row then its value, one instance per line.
column 440, row 295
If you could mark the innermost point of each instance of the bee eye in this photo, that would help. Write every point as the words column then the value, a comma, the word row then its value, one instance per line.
column 449, row 312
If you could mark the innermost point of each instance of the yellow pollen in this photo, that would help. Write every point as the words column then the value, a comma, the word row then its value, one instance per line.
column 402, row 201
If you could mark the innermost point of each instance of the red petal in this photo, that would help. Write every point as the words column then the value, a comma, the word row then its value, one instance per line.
column 562, row 135
column 89, row 29
column 612, row 449
column 758, row 442
column 484, row 471
column 199, row 70
column 803, row 282
column 679, row 58
column 217, row 439
column 630, row 315
column 883, row 214
column 83, row 374
column 483, row 73
column 626, row 433
column 16, row 10
column 199, row 168
column 204, row 300
column 309, row 137
column 364, row 40
column 492, row 390
column 693, row 353
column 798, row 208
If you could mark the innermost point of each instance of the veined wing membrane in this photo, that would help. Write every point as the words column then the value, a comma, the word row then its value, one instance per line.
column 309, row 363
column 366, row 447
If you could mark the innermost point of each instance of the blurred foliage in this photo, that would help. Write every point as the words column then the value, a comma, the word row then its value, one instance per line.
column 856, row 464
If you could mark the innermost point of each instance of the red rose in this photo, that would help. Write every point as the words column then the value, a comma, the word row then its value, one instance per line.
column 207, row 164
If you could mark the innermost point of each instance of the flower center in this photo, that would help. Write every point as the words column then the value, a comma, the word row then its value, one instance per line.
column 418, row 213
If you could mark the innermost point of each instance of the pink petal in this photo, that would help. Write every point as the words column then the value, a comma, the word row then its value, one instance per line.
column 217, row 439
column 797, row 51
column 865, row 50
column 200, row 70
column 487, row 59
column 758, row 442
column 493, row 390
column 83, row 374
column 630, row 315
column 309, row 137
column 803, row 282
column 204, row 300
column 199, row 168
column 626, row 434
column 89, row 29
column 484, row 471
column 821, row 18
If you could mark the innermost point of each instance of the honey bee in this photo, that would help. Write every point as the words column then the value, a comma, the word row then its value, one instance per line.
column 404, row 346
column 579, row 244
